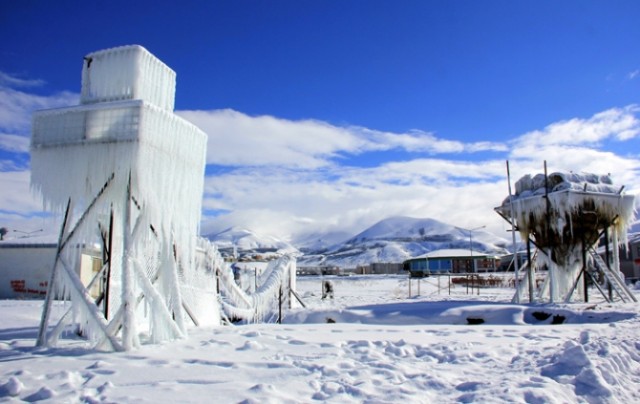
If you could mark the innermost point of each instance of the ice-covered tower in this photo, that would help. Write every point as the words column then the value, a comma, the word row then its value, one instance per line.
column 132, row 172
column 565, row 215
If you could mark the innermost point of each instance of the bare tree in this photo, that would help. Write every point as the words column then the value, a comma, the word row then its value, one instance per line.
column 3, row 231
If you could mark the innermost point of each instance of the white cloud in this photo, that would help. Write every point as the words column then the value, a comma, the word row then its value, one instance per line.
column 14, row 143
column 419, row 141
column 16, row 107
column 292, row 200
column 578, row 145
column 236, row 139
column 617, row 123
column 289, row 204
column 7, row 80
column 352, row 198
column 16, row 195
column 632, row 75
column 19, row 208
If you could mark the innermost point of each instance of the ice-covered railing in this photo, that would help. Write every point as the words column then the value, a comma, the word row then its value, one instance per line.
column 278, row 289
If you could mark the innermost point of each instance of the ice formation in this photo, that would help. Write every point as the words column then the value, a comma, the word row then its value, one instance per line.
column 135, row 171
column 131, row 173
column 564, row 212
column 277, row 287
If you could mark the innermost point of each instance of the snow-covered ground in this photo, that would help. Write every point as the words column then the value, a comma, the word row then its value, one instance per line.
column 371, row 343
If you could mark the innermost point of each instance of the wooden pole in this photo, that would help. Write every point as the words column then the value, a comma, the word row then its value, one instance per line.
column 280, row 305
column 108, row 272
column 513, row 238
column 48, row 301
column 467, row 283
column 551, row 270
column 607, row 260
column 530, row 273
column 585, row 281
column 127, row 276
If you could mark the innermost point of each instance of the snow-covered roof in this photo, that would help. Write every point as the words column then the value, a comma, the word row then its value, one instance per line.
column 454, row 253
column 38, row 241
column 560, row 181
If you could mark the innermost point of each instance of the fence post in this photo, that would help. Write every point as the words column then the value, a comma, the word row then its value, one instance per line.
column 280, row 305
column 467, row 283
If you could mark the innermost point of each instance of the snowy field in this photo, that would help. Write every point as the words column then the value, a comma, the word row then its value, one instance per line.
column 371, row 343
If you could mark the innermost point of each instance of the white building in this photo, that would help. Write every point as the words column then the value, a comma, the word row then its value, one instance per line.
column 26, row 262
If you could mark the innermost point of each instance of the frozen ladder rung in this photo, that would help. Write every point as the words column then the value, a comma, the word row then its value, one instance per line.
column 613, row 278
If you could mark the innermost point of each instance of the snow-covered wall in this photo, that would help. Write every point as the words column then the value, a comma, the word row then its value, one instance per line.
column 24, row 270
column 127, row 73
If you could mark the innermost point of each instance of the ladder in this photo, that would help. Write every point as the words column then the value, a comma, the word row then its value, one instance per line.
column 612, row 278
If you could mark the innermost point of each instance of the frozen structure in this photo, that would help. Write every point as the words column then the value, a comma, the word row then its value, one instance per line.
column 565, row 215
column 265, row 304
column 128, row 174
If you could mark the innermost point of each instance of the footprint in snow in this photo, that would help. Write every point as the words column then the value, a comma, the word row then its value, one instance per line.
column 250, row 345
column 158, row 362
column 11, row 388
column 44, row 393
column 469, row 386
column 263, row 388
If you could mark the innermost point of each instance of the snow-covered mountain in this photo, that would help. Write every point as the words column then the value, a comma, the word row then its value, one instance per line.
column 398, row 238
column 320, row 242
column 391, row 240
column 248, row 242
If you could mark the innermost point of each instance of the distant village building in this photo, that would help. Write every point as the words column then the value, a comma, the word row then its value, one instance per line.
column 451, row 261
column 318, row 270
column 380, row 268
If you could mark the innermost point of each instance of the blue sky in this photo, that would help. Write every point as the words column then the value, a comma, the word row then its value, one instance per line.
column 327, row 115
